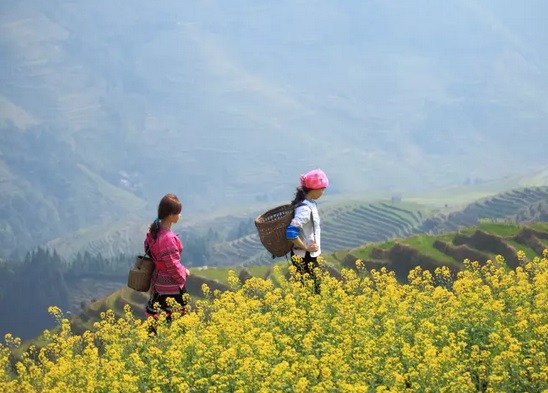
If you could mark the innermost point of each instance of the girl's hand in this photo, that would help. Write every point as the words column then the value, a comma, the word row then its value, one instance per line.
column 312, row 247
column 187, row 272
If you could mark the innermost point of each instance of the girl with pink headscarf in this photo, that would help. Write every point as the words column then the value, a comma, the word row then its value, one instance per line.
column 304, row 230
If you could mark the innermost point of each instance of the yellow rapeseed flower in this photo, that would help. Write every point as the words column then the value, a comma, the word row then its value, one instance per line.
column 484, row 329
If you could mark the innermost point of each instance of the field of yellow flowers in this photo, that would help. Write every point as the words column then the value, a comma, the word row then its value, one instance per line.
column 485, row 329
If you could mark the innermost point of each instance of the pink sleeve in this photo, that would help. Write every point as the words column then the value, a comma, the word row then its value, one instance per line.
column 170, row 259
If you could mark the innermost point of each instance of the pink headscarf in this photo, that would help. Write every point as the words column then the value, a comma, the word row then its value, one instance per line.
column 314, row 180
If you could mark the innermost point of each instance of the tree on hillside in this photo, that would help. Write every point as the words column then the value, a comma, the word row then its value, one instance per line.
column 27, row 290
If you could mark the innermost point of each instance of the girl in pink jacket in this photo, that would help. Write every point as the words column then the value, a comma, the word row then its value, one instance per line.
column 164, row 247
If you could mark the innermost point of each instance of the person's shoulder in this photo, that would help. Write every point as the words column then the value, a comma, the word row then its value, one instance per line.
column 303, row 208
column 172, row 236
column 166, row 235
column 169, row 240
column 306, row 204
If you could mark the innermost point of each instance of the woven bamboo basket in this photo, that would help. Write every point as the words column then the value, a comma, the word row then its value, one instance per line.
column 140, row 275
column 272, row 225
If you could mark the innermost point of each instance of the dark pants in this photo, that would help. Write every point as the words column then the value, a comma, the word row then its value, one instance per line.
column 307, row 266
column 163, row 306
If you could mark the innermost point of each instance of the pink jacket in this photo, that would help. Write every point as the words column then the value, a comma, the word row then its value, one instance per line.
column 170, row 275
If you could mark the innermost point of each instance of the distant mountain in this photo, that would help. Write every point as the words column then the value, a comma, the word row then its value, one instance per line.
column 106, row 106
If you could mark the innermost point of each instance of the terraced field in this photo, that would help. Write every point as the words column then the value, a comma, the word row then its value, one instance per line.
column 240, row 249
column 349, row 227
column 343, row 227
column 511, row 205
column 109, row 241
column 535, row 212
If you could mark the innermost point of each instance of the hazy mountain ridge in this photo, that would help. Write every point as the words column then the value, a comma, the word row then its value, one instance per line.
column 52, row 192
column 224, row 103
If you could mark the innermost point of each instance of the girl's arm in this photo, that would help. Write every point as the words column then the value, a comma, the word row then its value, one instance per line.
column 297, row 242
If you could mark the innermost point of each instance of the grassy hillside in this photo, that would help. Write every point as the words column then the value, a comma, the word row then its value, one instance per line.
column 51, row 191
column 480, row 243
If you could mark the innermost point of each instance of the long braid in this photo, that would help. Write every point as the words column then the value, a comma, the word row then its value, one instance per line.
column 154, row 228
column 300, row 195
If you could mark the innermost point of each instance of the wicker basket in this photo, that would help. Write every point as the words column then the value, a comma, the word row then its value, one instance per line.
column 272, row 225
column 140, row 275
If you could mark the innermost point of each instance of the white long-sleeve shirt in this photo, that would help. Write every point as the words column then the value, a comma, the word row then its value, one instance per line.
column 308, row 219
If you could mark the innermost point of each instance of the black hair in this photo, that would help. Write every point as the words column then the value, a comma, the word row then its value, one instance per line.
column 300, row 195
